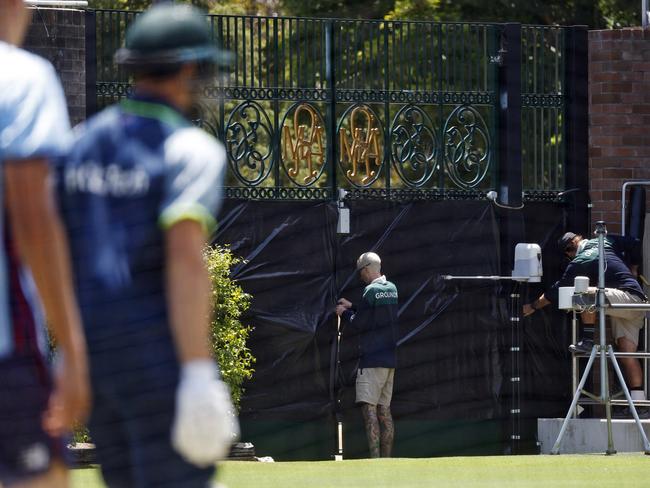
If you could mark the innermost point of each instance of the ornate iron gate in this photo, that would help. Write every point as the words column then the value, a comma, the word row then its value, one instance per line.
column 384, row 109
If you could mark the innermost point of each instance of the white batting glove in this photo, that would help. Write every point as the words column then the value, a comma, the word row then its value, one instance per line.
column 205, row 425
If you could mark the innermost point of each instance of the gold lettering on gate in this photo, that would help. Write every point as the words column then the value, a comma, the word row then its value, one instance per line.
column 306, row 143
column 364, row 148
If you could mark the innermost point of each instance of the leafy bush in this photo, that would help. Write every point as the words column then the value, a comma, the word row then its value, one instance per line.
column 228, row 335
column 80, row 434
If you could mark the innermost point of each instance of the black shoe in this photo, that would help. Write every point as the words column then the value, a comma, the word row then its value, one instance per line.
column 626, row 413
column 583, row 347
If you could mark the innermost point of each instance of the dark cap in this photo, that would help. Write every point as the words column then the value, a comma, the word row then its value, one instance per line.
column 565, row 240
column 170, row 34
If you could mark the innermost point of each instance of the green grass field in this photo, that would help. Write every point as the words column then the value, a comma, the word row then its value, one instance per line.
column 588, row 471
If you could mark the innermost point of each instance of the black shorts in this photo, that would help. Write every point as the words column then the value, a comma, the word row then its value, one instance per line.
column 25, row 449
column 133, row 412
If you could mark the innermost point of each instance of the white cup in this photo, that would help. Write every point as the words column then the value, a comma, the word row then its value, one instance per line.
column 565, row 298
column 581, row 284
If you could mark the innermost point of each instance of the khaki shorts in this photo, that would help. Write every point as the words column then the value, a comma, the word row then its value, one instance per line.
column 625, row 323
column 375, row 386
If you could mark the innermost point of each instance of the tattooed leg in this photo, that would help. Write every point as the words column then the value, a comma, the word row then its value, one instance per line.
column 372, row 428
column 386, row 428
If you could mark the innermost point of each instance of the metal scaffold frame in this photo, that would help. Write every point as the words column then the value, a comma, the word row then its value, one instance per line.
column 604, row 351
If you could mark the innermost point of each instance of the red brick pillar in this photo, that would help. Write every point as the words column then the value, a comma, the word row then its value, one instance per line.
column 59, row 36
column 619, row 117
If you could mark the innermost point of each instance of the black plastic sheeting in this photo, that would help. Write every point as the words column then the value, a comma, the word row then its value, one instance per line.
column 453, row 390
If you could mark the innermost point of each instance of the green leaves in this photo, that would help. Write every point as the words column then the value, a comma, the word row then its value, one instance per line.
column 228, row 336
column 597, row 14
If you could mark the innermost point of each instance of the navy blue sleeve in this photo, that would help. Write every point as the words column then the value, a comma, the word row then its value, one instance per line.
column 567, row 279
column 357, row 317
column 348, row 315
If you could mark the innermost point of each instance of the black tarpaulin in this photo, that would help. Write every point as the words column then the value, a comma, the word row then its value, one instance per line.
column 454, row 350
column 289, row 265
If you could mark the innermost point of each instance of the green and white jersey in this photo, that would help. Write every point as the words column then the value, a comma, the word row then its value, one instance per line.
column 376, row 319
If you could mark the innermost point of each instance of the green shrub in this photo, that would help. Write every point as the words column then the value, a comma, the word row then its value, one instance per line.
column 80, row 434
column 228, row 336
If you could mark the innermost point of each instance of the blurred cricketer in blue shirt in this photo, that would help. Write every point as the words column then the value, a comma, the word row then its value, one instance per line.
column 139, row 190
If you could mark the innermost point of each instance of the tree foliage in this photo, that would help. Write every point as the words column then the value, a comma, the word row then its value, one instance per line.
column 594, row 13
column 228, row 336
column 367, row 9
column 230, row 7
column 597, row 14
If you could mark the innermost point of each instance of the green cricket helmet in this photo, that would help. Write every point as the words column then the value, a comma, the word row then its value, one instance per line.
column 169, row 35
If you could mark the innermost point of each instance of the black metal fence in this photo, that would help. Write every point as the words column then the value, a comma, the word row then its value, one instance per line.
column 381, row 108
column 543, row 106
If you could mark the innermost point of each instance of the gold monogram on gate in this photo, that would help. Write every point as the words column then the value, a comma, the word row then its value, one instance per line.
column 365, row 146
column 305, row 146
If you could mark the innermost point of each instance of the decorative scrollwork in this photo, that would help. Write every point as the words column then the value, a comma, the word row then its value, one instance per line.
column 413, row 195
column 249, row 139
column 543, row 196
column 542, row 100
column 113, row 89
column 303, row 143
column 414, row 147
column 205, row 114
column 468, row 151
column 361, row 144
column 274, row 193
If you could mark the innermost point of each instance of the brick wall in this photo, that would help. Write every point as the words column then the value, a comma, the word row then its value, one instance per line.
column 58, row 35
column 619, row 117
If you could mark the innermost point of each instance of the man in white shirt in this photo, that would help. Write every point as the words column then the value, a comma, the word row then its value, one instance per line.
column 35, row 411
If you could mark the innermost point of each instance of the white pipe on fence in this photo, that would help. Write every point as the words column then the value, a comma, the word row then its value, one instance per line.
column 645, row 14
column 56, row 3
